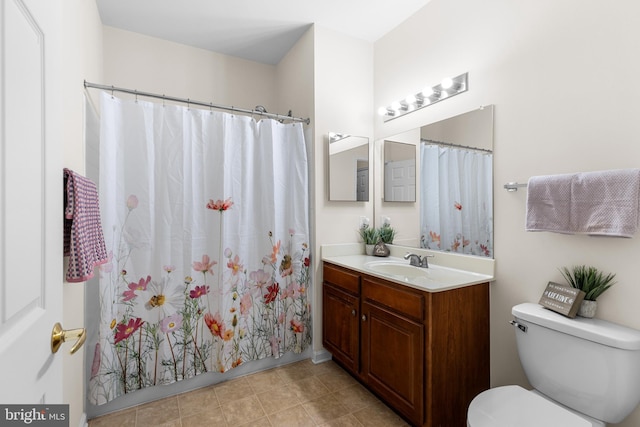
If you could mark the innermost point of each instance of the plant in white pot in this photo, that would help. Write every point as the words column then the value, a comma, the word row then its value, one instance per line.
column 386, row 233
column 592, row 282
column 370, row 237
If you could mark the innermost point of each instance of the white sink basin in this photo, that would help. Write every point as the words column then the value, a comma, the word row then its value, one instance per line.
column 397, row 269
column 434, row 277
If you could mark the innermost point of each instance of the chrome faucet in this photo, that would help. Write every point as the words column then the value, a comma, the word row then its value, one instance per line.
column 417, row 260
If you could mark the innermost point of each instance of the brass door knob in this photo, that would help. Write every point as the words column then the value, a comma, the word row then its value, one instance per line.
column 59, row 335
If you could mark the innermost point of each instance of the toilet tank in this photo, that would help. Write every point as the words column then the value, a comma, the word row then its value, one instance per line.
column 589, row 365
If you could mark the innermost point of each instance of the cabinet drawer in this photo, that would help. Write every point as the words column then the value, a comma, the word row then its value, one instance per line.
column 401, row 299
column 341, row 278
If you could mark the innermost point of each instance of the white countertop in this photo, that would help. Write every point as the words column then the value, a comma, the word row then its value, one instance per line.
column 446, row 271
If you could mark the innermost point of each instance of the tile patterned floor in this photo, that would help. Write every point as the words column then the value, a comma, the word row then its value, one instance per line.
column 300, row 394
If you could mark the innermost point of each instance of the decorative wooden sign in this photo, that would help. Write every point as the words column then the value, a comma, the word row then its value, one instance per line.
column 562, row 299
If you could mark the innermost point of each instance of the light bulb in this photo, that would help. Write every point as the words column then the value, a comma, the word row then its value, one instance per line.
column 447, row 83
column 395, row 105
column 411, row 99
column 383, row 111
column 427, row 92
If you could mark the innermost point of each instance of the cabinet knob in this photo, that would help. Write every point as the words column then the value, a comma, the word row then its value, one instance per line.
column 364, row 317
column 353, row 312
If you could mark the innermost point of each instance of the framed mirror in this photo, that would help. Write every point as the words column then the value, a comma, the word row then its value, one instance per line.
column 348, row 168
column 454, row 186
column 399, row 171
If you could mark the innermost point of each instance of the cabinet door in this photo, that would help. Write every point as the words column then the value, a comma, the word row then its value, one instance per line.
column 393, row 359
column 340, row 326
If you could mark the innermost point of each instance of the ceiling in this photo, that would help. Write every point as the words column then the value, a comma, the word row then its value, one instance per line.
column 261, row 31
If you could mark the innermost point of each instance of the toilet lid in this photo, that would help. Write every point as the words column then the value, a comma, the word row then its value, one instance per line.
column 513, row 406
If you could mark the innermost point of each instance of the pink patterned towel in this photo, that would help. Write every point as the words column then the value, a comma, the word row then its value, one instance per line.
column 83, row 238
column 605, row 203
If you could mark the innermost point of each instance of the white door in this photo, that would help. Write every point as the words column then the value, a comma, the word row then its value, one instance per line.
column 400, row 181
column 362, row 184
column 31, row 200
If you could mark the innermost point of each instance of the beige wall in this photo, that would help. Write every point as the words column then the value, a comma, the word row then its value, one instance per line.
column 473, row 129
column 149, row 64
column 295, row 79
column 563, row 78
column 81, row 58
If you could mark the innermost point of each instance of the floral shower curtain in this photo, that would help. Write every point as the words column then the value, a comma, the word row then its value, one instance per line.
column 456, row 208
column 205, row 215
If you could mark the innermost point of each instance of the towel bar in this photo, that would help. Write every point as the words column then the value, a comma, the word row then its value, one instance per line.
column 513, row 186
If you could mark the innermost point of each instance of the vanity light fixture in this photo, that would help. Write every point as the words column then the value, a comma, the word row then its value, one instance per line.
column 449, row 87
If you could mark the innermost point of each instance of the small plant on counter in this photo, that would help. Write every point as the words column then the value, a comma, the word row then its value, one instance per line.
column 589, row 280
column 369, row 235
column 386, row 233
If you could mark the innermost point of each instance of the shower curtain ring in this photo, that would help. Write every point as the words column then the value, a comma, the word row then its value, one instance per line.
column 111, row 91
column 136, row 91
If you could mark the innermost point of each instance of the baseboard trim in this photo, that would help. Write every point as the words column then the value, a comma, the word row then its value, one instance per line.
column 321, row 356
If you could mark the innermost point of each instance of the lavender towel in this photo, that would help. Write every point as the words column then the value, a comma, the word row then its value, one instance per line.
column 83, row 237
column 602, row 203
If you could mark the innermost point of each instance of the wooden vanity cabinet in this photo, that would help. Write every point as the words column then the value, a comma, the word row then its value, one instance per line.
column 392, row 345
column 426, row 354
column 340, row 316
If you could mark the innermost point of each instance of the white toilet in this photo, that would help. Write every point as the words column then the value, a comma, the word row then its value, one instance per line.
column 585, row 373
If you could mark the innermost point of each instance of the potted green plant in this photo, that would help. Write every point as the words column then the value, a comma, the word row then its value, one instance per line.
column 592, row 282
column 370, row 237
column 386, row 234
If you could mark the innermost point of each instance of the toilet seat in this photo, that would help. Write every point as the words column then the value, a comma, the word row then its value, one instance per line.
column 513, row 406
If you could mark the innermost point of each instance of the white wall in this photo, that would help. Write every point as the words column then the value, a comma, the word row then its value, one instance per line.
column 563, row 78
column 81, row 59
column 343, row 97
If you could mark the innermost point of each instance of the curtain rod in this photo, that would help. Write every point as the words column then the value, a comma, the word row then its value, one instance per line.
column 188, row 101
column 448, row 144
